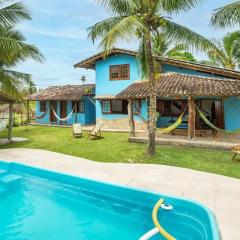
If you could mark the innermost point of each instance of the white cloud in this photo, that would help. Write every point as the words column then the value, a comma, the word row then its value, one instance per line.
column 55, row 72
column 70, row 33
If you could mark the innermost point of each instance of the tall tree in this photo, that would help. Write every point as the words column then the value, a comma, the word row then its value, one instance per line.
column 142, row 19
column 167, row 48
column 14, row 49
column 228, row 15
column 30, row 88
column 83, row 79
column 226, row 53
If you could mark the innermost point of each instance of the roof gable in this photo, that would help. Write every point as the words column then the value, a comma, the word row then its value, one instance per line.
column 90, row 62
column 183, row 85
column 66, row 92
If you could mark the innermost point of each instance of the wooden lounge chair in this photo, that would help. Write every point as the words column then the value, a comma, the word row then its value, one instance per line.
column 96, row 132
column 236, row 151
column 77, row 130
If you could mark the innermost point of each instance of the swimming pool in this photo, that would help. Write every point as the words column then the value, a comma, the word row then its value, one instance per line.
column 44, row 205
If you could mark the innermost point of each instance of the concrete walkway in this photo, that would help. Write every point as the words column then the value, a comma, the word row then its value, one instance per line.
column 14, row 139
column 199, row 142
column 221, row 194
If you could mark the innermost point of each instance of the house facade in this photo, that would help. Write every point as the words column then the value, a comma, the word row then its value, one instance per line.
column 181, row 87
column 112, row 76
column 65, row 105
column 117, row 75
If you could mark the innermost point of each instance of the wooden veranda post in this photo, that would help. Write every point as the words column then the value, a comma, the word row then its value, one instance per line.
column 191, row 118
column 10, row 124
column 131, row 120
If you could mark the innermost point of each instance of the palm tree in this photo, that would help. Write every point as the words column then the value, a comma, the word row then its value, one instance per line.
column 228, row 15
column 135, row 19
column 227, row 52
column 30, row 88
column 83, row 79
column 14, row 49
column 166, row 48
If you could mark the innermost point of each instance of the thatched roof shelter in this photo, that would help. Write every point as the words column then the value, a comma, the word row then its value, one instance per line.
column 4, row 98
column 66, row 92
column 181, row 85
column 90, row 63
column 17, row 108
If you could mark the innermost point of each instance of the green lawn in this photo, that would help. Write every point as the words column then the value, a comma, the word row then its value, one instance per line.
column 114, row 147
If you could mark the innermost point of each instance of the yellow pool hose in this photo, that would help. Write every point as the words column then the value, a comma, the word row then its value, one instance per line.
column 157, row 224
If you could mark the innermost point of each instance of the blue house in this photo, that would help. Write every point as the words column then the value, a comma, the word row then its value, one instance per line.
column 215, row 90
column 120, row 98
column 65, row 105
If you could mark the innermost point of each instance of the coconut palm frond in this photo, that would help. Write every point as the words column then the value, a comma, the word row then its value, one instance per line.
column 166, row 48
column 229, row 41
column 121, row 7
column 228, row 15
column 12, row 14
column 176, row 6
column 176, row 49
column 161, row 45
column 125, row 30
column 14, row 47
column 101, row 28
column 226, row 53
column 23, row 78
column 186, row 36
column 10, row 85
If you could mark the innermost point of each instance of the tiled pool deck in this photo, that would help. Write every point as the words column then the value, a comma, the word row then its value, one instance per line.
column 221, row 194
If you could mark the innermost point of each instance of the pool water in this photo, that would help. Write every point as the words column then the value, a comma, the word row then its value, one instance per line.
column 43, row 205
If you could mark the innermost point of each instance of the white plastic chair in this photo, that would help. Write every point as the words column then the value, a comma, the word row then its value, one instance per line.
column 77, row 130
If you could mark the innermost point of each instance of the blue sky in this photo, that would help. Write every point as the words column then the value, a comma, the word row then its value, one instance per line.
column 58, row 29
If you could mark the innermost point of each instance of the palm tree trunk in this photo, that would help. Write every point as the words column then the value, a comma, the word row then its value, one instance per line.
column 28, row 112
column 10, row 124
column 152, row 99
